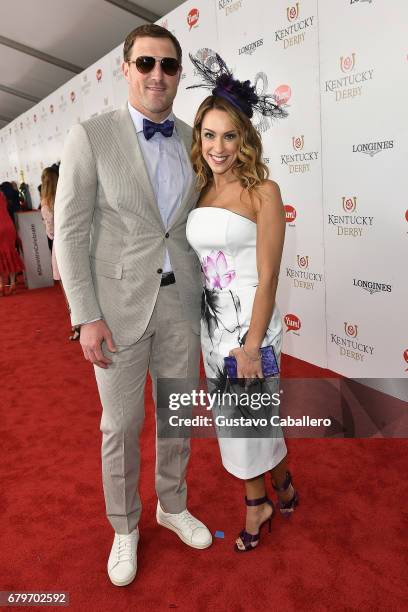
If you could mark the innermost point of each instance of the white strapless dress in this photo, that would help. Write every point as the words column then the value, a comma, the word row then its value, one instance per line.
column 225, row 243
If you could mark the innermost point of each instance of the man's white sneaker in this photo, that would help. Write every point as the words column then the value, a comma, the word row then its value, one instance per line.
column 122, row 562
column 189, row 529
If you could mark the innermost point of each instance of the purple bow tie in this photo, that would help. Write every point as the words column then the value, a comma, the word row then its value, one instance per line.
column 150, row 128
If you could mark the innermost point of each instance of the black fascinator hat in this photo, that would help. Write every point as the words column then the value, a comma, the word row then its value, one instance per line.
column 240, row 94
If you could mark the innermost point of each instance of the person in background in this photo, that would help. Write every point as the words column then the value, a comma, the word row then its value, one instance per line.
column 10, row 260
column 49, row 180
column 12, row 198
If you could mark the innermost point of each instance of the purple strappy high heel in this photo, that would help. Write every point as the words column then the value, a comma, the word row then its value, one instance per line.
column 248, row 538
column 286, row 508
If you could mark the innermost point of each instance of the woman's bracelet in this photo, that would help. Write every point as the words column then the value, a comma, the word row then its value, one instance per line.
column 249, row 357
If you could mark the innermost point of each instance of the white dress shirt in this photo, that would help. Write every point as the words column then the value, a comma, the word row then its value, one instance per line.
column 168, row 167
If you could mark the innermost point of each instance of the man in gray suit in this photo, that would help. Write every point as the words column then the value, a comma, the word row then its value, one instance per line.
column 133, row 282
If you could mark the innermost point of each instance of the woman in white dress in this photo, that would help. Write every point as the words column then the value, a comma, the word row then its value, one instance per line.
column 237, row 231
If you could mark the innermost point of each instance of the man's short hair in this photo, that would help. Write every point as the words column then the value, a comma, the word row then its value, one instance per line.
column 149, row 30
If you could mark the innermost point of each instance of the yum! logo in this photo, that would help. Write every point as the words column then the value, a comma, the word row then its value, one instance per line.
column 347, row 63
column 349, row 204
column 292, row 322
column 351, row 330
column 193, row 17
column 298, row 142
column 290, row 213
column 292, row 12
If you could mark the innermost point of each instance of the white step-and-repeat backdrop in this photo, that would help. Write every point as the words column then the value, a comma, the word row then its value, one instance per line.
column 341, row 66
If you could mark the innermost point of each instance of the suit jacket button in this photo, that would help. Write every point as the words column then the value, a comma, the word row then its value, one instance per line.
column 167, row 235
column 159, row 271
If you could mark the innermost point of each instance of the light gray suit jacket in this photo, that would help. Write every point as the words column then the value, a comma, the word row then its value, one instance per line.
column 109, row 236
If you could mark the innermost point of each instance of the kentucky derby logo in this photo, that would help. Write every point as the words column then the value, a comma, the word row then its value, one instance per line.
column 292, row 322
column 298, row 142
column 72, row 96
column 282, row 94
column 347, row 63
column 290, row 213
column 349, row 204
column 405, row 355
column 193, row 17
column 303, row 261
column 99, row 75
column 292, row 12
column 351, row 330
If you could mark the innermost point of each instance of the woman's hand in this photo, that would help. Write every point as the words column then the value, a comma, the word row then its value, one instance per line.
column 249, row 365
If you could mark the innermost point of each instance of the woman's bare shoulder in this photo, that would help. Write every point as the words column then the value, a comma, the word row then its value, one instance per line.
column 269, row 194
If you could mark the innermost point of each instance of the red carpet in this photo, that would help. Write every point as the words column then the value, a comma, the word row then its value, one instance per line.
column 343, row 550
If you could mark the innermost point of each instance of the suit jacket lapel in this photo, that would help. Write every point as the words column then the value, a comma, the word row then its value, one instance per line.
column 131, row 148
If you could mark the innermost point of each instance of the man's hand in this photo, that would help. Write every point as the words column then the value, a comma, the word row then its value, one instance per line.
column 91, row 338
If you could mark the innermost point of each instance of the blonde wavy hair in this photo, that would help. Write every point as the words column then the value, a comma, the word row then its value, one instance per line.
column 249, row 168
column 49, row 180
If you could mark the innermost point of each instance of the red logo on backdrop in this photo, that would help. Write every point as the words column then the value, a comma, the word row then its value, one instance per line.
column 292, row 12
column 351, row 330
column 298, row 142
column 99, row 75
column 72, row 96
column 406, row 215
column 347, row 63
column 193, row 17
column 290, row 213
column 349, row 204
column 51, row 108
column 303, row 261
column 405, row 355
column 292, row 322
column 282, row 94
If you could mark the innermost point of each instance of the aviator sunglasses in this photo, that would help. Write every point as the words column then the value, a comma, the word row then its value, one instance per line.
column 146, row 63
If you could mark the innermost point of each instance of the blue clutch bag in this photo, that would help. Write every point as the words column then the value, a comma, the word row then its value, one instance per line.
column 269, row 363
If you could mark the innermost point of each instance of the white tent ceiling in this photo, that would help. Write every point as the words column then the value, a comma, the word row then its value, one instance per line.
column 44, row 43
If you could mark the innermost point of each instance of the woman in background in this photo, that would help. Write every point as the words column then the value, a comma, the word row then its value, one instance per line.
column 49, row 180
column 10, row 260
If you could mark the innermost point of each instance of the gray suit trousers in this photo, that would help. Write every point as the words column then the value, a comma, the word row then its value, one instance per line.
column 168, row 349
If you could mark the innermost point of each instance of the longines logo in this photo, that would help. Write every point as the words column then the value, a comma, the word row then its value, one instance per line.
column 351, row 84
column 229, row 6
column 371, row 286
column 372, row 148
column 350, row 224
column 295, row 33
column 292, row 323
column 302, row 277
column 251, row 47
column 299, row 162
column 290, row 214
column 349, row 344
